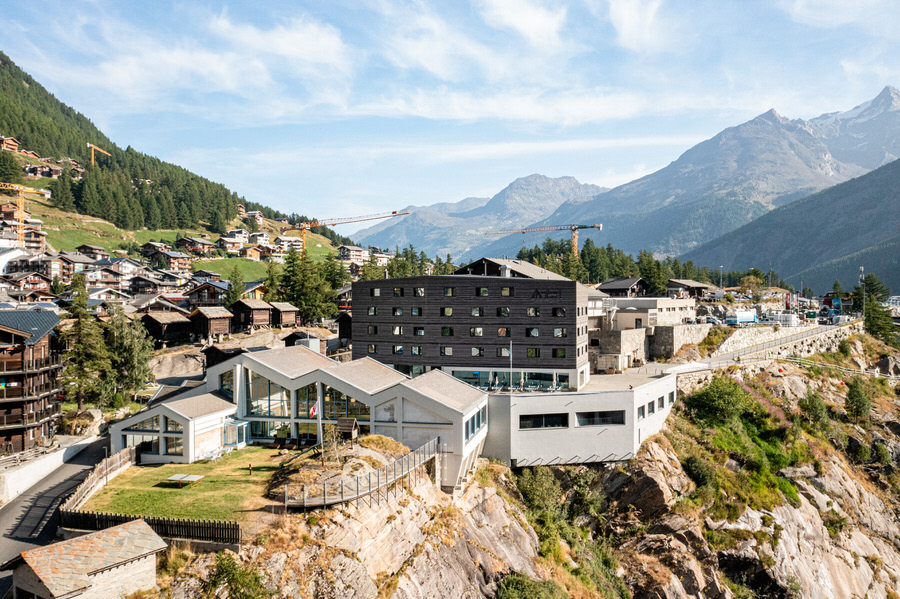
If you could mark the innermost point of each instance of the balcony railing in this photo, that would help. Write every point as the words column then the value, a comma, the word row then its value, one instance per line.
column 19, row 420
column 19, row 393
column 20, row 366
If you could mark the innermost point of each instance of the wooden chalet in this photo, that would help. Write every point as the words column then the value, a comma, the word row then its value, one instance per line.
column 9, row 143
column 624, row 287
column 210, row 293
column 167, row 327
column 210, row 275
column 251, row 253
column 283, row 314
column 690, row 288
column 211, row 321
column 195, row 245
column 250, row 314
column 92, row 251
column 175, row 261
column 229, row 244
column 151, row 247
column 28, row 281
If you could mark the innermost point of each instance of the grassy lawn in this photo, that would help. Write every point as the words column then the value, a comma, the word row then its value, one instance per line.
column 227, row 491
column 250, row 270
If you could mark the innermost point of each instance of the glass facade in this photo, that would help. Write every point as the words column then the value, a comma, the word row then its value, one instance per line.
column 339, row 405
column 174, row 446
column 305, row 400
column 226, row 383
column 265, row 398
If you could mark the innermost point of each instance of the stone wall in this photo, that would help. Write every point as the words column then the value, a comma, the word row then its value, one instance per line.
column 17, row 480
column 743, row 338
column 617, row 349
column 667, row 340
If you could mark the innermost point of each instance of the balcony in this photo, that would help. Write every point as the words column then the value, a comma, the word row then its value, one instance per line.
column 29, row 419
column 14, row 366
column 29, row 392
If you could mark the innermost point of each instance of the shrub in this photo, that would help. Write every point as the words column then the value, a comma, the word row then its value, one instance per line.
column 539, row 488
column 882, row 454
column 242, row 582
column 700, row 471
column 844, row 348
column 862, row 454
column 814, row 408
column 720, row 401
column 858, row 402
column 834, row 523
column 519, row 586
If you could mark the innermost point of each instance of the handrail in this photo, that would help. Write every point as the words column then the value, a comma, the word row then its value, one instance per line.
column 300, row 454
column 344, row 490
column 844, row 369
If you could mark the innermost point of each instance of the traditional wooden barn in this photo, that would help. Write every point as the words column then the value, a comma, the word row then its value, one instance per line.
column 251, row 314
column 211, row 321
column 167, row 327
column 283, row 314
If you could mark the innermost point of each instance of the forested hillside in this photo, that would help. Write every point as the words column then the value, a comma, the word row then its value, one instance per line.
column 130, row 189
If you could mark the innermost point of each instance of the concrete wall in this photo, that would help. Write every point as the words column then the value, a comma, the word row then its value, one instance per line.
column 15, row 481
column 667, row 340
column 750, row 336
column 121, row 581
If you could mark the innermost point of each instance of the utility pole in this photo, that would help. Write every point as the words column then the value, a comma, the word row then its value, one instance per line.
column 721, row 266
column 862, row 285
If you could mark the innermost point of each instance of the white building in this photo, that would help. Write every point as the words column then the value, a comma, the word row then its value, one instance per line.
column 242, row 235
column 604, row 421
column 641, row 312
column 353, row 254
column 259, row 238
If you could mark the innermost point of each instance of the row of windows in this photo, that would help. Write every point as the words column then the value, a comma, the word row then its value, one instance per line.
column 653, row 406
column 558, row 332
column 476, row 352
column 502, row 312
column 476, row 423
column 448, row 291
column 607, row 418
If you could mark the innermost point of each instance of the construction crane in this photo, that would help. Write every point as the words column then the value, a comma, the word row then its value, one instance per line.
column 20, row 210
column 93, row 147
column 328, row 222
column 573, row 228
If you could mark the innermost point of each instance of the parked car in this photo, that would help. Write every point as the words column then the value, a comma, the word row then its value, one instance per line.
column 713, row 320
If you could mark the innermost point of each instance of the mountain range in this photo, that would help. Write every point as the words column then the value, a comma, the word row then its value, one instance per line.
column 713, row 188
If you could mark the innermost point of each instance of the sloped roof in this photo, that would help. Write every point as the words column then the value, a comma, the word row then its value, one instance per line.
column 33, row 324
column 367, row 374
column 520, row 267
column 292, row 361
column 65, row 567
column 447, row 390
column 283, row 306
column 618, row 283
column 167, row 317
column 254, row 304
column 213, row 312
column 195, row 403
column 691, row 283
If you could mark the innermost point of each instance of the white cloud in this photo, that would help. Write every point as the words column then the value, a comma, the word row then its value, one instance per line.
column 877, row 17
column 537, row 24
column 637, row 25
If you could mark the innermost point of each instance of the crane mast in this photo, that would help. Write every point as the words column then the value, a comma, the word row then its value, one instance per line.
column 328, row 222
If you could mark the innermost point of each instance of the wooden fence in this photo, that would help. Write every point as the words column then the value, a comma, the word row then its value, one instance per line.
column 71, row 516
column 22, row 457
column 368, row 485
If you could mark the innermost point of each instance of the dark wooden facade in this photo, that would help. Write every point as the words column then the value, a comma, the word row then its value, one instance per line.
column 284, row 314
column 211, row 321
column 29, row 380
column 167, row 327
column 251, row 314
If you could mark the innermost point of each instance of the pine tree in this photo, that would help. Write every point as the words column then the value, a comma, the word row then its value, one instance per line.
column 86, row 364
column 10, row 169
column 61, row 192
column 273, row 283
column 131, row 349
column 236, row 287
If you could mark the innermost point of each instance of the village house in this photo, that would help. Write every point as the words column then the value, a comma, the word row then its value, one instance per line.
column 207, row 275
column 242, row 235
column 260, row 237
column 684, row 288
column 167, row 327
column 283, row 314
column 72, row 263
column 35, row 240
column 195, row 245
column 251, row 314
column 286, row 242
column 113, row 563
column 255, row 215
column 27, row 281
column 251, row 252
column 624, row 287
column 229, row 244
column 211, row 321
column 10, row 144
column 151, row 247
column 210, row 293
column 93, row 251
column 175, row 261
column 353, row 253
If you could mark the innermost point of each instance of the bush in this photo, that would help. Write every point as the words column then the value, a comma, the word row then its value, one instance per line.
column 242, row 582
column 720, row 401
column 882, row 454
column 814, row 408
column 539, row 488
column 858, row 402
column 844, row 348
column 700, row 471
column 519, row 586
column 862, row 454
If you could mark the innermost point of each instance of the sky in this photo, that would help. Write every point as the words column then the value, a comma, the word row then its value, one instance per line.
column 342, row 108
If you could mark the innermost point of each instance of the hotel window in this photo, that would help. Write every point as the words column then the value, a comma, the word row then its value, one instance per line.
column 502, row 352
column 528, row 421
column 375, row 292
column 532, row 332
column 671, row 397
column 373, row 311
column 503, row 332
column 446, row 331
column 477, row 311
column 174, row 446
column 173, row 426
column 559, row 312
column 226, row 383
column 265, row 398
column 559, row 352
column 449, row 291
column 560, row 332
column 446, row 311
column 476, row 332
column 651, row 408
column 507, row 291
column 533, row 352
column 533, row 311
column 641, row 413
column 600, row 418
column 397, row 330
column 372, row 329
column 397, row 350
column 503, row 312
column 481, row 291
column 398, row 311
column 419, row 292
column 398, row 291
column 419, row 331
column 446, row 350
column 373, row 348
column 306, row 399
column 415, row 350
column 477, row 352
column 661, row 403
column 415, row 311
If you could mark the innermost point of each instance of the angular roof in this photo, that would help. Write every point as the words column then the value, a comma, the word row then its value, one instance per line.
column 520, row 267
column 618, row 283
column 447, row 390
column 33, row 324
column 254, row 304
column 196, row 403
column 691, row 283
column 293, row 361
column 213, row 312
column 167, row 317
column 283, row 306
column 367, row 374
column 65, row 567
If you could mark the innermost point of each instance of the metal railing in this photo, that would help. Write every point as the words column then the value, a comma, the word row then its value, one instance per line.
column 843, row 369
column 16, row 420
column 12, row 366
column 370, row 484
column 22, row 457
column 19, row 392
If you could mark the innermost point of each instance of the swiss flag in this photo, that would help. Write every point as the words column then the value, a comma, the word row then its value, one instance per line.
column 313, row 410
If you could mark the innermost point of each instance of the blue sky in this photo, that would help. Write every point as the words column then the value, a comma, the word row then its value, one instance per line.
column 340, row 108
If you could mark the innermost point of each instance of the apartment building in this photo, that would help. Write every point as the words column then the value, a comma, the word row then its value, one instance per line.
column 494, row 324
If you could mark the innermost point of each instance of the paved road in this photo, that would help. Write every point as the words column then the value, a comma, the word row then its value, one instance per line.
column 30, row 520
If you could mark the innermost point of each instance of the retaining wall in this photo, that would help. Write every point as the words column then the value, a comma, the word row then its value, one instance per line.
column 15, row 481
column 743, row 338
column 667, row 340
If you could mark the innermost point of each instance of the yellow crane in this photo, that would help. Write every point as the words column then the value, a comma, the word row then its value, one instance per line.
column 328, row 222
column 99, row 149
column 20, row 210
column 573, row 228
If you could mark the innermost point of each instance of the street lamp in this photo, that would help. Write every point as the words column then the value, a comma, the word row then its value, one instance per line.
column 721, row 266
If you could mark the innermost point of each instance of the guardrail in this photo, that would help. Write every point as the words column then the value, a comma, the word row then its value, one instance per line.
column 22, row 457
column 854, row 371
column 365, row 485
